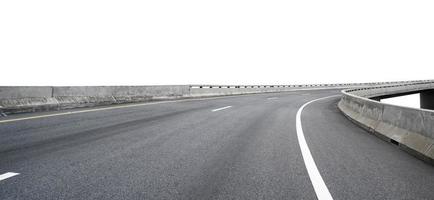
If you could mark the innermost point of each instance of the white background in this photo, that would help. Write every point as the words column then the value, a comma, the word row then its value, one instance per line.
column 89, row 42
column 412, row 100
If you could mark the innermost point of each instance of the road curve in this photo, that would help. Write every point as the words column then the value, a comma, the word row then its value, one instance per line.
column 239, row 147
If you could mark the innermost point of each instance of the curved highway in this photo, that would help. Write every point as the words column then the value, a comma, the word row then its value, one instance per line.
column 236, row 147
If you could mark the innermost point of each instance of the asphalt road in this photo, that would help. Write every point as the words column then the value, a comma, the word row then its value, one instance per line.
column 240, row 147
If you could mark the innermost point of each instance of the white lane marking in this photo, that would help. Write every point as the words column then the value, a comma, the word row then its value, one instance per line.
column 321, row 190
column 7, row 175
column 271, row 98
column 218, row 109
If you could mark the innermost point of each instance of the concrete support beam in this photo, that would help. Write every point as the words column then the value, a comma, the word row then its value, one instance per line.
column 427, row 99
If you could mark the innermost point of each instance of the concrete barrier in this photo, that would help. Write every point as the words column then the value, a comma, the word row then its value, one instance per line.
column 411, row 129
column 26, row 99
column 32, row 99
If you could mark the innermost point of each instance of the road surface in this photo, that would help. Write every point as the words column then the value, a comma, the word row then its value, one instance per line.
column 238, row 147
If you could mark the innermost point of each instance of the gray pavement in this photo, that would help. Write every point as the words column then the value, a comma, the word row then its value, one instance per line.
column 184, row 150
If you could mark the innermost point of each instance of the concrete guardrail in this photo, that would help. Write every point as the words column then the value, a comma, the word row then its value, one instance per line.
column 411, row 129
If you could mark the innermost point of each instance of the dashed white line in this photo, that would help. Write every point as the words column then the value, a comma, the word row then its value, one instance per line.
column 319, row 186
column 271, row 98
column 7, row 175
column 218, row 109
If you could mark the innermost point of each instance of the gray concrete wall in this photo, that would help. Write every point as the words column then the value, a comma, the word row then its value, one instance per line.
column 26, row 99
column 32, row 99
column 410, row 128
column 120, row 91
column 24, row 92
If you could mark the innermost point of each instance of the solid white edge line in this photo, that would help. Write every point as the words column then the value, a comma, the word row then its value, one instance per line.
column 318, row 183
column 7, row 175
column 218, row 109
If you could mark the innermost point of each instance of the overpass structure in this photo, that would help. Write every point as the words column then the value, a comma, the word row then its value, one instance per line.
column 216, row 142
column 410, row 128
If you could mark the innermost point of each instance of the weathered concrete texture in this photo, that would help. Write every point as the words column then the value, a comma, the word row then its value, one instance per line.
column 427, row 99
column 31, row 99
column 7, row 92
column 412, row 129
column 122, row 91
column 85, row 96
column 28, row 104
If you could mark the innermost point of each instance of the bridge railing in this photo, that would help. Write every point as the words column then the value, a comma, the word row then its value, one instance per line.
column 411, row 129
